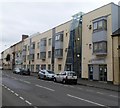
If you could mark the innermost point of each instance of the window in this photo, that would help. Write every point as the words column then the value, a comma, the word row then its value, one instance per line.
column 37, row 67
column 28, row 47
column 95, row 26
column 43, row 42
column 33, row 46
column 49, row 41
column 37, row 55
column 43, row 66
column 59, row 37
column 59, row 52
column 32, row 68
column 49, row 54
column 100, row 25
column 100, row 47
column 42, row 55
column 38, row 45
column 49, row 67
column 59, row 67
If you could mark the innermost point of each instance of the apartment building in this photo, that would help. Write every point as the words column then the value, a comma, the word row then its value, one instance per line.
column 57, row 49
column 97, row 48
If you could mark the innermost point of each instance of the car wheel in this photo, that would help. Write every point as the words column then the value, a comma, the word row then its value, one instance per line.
column 63, row 81
column 54, row 80
column 38, row 77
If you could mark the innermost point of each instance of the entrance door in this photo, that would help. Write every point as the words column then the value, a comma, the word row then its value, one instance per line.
column 90, row 69
column 103, row 72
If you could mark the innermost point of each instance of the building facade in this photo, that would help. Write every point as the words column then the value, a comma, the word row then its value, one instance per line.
column 88, row 44
column 98, row 26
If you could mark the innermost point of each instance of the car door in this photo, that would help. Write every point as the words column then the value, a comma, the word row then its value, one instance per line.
column 62, row 76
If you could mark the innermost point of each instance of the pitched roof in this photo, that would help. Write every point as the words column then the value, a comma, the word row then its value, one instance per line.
column 116, row 33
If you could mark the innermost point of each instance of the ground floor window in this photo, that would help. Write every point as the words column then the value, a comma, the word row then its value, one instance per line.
column 37, row 67
column 97, row 72
column 49, row 67
column 43, row 66
column 59, row 67
column 32, row 68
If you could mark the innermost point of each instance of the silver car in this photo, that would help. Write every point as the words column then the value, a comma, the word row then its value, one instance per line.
column 66, row 77
column 46, row 74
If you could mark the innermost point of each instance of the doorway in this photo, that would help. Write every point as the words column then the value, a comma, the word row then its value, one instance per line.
column 103, row 72
column 90, row 69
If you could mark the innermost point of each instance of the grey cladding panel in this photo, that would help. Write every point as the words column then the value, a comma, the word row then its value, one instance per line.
column 99, row 36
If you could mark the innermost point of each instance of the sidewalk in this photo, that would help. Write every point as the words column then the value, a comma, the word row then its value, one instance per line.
column 96, row 84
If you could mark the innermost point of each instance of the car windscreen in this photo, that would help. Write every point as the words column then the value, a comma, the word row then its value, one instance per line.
column 50, row 72
column 71, row 74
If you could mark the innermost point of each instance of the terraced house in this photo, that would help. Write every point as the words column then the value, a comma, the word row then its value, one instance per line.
column 88, row 44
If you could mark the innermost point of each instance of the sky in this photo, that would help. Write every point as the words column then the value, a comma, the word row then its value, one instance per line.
column 28, row 17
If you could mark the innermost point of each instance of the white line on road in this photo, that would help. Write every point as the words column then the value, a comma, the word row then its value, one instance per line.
column 16, row 94
column 44, row 87
column 21, row 98
column 113, row 96
column 89, row 90
column 85, row 100
column 27, row 82
column 71, row 86
column 99, row 92
column 8, row 88
column 79, row 88
column 12, row 91
column 28, row 102
column 65, row 85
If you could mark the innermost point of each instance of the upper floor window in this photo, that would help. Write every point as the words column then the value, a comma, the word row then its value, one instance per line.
column 59, row 37
column 49, row 41
column 100, row 25
column 100, row 47
column 33, row 45
column 43, row 42
column 38, row 45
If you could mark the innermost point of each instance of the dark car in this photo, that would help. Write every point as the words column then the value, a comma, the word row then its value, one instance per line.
column 24, row 72
column 16, row 70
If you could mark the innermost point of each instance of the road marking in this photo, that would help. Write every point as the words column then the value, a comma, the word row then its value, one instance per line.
column 12, row 91
column 71, row 86
column 21, row 98
column 79, row 88
column 5, row 87
column 89, row 90
column 8, row 88
column 85, row 100
column 65, row 85
column 28, row 102
column 44, row 87
column 113, row 96
column 99, row 92
column 27, row 82
column 16, row 94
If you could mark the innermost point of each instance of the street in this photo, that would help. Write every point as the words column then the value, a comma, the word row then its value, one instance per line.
column 20, row 90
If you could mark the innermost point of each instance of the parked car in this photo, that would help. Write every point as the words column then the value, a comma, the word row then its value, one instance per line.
column 46, row 74
column 16, row 70
column 1, row 68
column 66, row 77
column 25, row 71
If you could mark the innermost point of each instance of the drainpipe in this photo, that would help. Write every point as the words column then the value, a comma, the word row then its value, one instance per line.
column 113, row 59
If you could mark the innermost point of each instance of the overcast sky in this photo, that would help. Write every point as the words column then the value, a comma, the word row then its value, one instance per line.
column 19, row 17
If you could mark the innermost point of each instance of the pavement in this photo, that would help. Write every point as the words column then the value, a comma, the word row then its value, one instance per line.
column 96, row 84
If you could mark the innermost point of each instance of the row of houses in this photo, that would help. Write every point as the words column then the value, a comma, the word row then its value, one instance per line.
column 89, row 44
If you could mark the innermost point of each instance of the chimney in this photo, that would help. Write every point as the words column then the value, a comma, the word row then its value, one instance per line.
column 24, row 37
